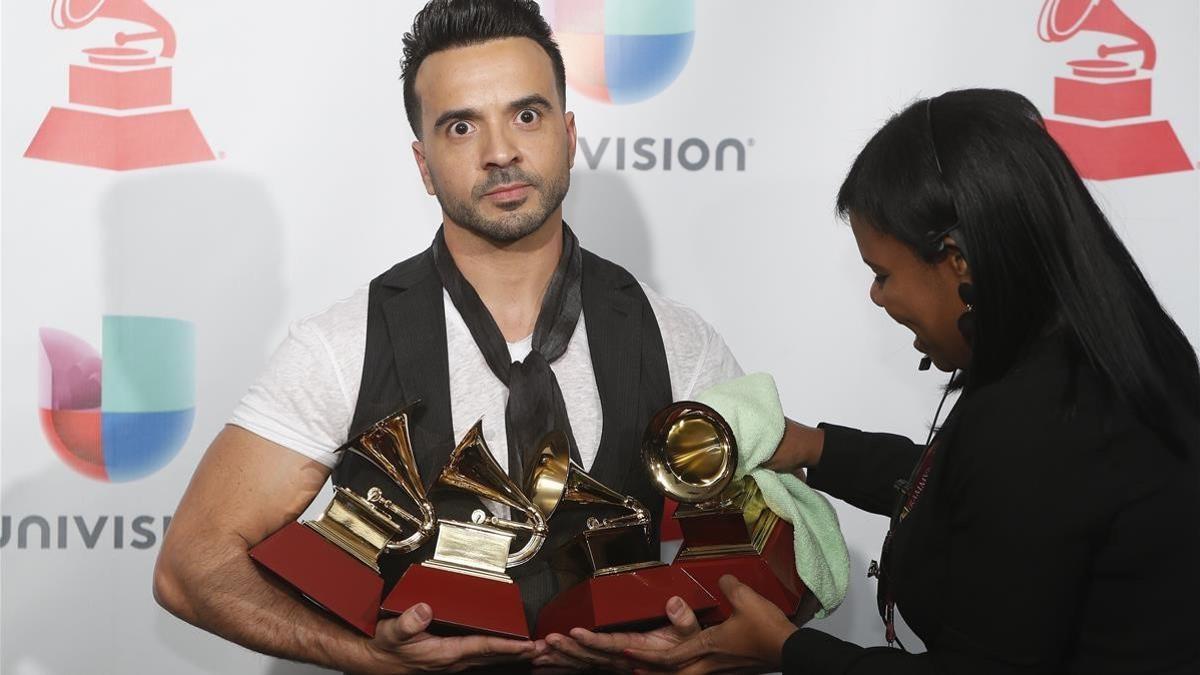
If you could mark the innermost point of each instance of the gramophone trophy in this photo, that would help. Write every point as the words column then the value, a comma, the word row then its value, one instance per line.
column 119, row 115
column 621, row 583
column 1102, row 109
column 691, row 454
column 465, row 582
column 334, row 560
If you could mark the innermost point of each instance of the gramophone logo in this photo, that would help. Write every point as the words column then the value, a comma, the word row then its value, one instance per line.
column 120, row 114
column 125, row 419
column 622, row 51
column 1102, row 108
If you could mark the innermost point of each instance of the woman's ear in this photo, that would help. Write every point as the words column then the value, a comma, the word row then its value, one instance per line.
column 957, row 260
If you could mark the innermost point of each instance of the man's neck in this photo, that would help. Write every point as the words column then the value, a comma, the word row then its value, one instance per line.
column 510, row 278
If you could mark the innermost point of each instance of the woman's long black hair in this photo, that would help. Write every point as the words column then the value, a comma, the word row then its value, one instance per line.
column 1041, row 253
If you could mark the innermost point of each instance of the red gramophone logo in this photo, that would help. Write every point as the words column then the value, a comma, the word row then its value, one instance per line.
column 120, row 114
column 1102, row 108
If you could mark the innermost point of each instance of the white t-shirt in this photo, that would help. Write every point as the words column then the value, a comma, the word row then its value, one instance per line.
column 305, row 399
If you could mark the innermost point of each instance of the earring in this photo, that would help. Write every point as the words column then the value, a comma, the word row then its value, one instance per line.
column 966, row 322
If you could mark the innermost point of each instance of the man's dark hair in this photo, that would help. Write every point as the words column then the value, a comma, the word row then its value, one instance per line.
column 446, row 24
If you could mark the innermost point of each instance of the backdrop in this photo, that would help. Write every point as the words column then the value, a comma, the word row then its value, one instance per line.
column 170, row 205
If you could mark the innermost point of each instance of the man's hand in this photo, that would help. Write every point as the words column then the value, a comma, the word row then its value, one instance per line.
column 584, row 649
column 402, row 645
column 750, row 640
column 245, row 488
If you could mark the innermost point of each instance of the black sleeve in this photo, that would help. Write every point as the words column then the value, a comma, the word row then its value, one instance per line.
column 810, row 652
column 862, row 468
column 1023, row 537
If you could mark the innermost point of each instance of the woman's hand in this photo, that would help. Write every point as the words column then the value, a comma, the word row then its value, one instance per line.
column 584, row 649
column 750, row 640
column 800, row 446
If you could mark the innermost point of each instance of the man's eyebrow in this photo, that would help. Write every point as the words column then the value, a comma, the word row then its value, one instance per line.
column 458, row 114
column 871, row 264
column 531, row 101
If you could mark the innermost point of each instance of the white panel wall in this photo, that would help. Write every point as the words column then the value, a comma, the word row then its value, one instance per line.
column 315, row 192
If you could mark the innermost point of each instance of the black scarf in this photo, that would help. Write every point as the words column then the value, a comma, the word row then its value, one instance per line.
column 535, row 402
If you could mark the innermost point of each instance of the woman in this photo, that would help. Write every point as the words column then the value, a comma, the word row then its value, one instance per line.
column 1053, row 523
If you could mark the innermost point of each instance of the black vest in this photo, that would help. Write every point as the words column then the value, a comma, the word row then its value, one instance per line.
column 406, row 361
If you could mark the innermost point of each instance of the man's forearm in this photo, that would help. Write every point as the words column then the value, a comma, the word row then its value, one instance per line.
column 233, row 598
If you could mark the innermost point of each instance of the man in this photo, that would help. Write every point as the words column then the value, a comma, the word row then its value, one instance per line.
column 503, row 318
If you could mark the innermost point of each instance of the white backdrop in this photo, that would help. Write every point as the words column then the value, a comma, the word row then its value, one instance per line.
column 313, row 192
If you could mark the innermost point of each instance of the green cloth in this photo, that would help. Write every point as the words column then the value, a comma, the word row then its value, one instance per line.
column 750, row 405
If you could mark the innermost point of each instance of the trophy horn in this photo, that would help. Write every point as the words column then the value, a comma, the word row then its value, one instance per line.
column 690, row 452
column 554, row 478
column 386, row 446
column 472, row 468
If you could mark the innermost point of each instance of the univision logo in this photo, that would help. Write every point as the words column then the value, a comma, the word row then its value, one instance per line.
column 622, row 51
column 626, row 51
column 667, row 154
column 126, row 415
column 55, row 532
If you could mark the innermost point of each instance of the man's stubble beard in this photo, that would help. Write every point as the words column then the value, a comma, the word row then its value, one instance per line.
column 514, row 225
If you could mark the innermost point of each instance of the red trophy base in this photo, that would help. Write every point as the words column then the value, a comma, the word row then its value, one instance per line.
column 462, row 603
column 634, row 600
column 119, row 142
column 1122, row 150
column 771, row 573
column 324, row 573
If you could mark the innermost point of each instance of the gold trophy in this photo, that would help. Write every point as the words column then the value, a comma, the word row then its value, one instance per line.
column 465, row 582
column 334, row 560
column 622, row 585
column 691, row 454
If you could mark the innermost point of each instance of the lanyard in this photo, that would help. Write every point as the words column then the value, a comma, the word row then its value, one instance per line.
column 910, row 492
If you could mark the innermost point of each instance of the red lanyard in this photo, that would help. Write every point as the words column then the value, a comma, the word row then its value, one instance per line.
column 910, row 491
column 911, row 494
column 918, row 484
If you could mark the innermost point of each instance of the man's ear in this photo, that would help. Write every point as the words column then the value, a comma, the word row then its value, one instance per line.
column 572, row 139
column 418, row 149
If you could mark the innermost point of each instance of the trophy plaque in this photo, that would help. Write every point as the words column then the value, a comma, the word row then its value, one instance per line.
column 691, row 454
column 465, row 582
column 334, row 560
column 621, row 583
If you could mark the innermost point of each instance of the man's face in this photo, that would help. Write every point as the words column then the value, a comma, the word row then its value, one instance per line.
column 496, row 146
